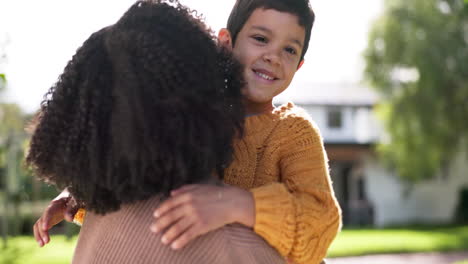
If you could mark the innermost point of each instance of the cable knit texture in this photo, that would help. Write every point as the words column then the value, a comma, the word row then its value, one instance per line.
column 281, row 159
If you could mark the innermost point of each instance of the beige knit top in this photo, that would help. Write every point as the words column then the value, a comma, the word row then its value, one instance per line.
column 124, row 237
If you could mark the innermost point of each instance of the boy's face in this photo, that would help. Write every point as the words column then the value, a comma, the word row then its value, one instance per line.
column 270, row 47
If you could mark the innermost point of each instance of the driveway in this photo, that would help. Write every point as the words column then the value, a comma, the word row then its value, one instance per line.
column 414, row 258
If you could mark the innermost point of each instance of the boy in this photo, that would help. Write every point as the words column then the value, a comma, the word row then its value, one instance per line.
column 290, row 202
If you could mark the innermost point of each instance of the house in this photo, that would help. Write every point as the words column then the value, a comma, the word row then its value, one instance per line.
column 368, row 192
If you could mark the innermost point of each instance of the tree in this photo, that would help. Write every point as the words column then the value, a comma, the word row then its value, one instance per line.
column 3, row 44
column 12, row 176
column 2, row 81
column 3, row 220
column 417, row 58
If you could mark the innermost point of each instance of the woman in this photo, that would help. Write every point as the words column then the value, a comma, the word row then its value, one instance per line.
column 145, row 106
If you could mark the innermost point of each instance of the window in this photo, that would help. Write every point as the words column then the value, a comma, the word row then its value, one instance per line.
column 335, row 118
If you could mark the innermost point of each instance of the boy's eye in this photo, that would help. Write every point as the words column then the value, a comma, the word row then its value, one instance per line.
column 291, row 50
column 260, row 38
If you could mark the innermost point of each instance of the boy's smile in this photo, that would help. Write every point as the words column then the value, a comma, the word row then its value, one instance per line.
column 270, row 46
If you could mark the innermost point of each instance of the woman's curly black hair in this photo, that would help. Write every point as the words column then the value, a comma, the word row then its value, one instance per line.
column 146, row 105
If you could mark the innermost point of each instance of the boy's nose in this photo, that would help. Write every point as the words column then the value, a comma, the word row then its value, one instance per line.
column 272, row 57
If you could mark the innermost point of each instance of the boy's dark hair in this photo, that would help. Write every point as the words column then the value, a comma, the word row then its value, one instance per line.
column 145, row 106
column 243, row 9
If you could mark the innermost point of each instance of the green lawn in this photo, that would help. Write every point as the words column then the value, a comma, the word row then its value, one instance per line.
column 399, row 240
column 25, row 250
column 349, row 243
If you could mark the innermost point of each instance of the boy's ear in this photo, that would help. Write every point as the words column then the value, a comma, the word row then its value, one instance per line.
column 225, row 39
column 300, row 64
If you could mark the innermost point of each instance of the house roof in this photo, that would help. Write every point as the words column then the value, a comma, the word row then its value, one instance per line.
column 329, row 94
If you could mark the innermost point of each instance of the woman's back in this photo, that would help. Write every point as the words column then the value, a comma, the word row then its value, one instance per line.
column 124, row 237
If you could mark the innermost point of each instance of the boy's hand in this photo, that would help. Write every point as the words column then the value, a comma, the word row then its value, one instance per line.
column 62, row 207
column 194, row 210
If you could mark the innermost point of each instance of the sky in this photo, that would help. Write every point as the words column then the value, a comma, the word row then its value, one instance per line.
column 42, row 36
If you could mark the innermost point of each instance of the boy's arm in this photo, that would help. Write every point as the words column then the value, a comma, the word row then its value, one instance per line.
column 300, row 216
column 60, row 208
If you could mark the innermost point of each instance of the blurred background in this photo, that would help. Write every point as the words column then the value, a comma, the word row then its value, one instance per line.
column 386, row 81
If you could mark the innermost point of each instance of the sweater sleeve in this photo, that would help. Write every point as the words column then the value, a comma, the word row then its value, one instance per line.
column 299, row 216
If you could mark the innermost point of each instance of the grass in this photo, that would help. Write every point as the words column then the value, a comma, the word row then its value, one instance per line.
column 399, row 240
column 348, row 243
column 24, row 249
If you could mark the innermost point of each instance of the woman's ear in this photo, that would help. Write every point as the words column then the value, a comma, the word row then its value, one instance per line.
column 225, row 39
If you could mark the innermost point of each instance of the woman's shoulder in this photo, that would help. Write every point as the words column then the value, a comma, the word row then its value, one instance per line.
column 249, row 247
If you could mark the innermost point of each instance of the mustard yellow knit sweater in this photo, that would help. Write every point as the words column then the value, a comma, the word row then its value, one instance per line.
column 281, row 159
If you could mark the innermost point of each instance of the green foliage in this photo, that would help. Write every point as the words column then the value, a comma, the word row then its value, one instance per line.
column 11, row 137
column 11, row 118
column 417, row 59
column 2, row 82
